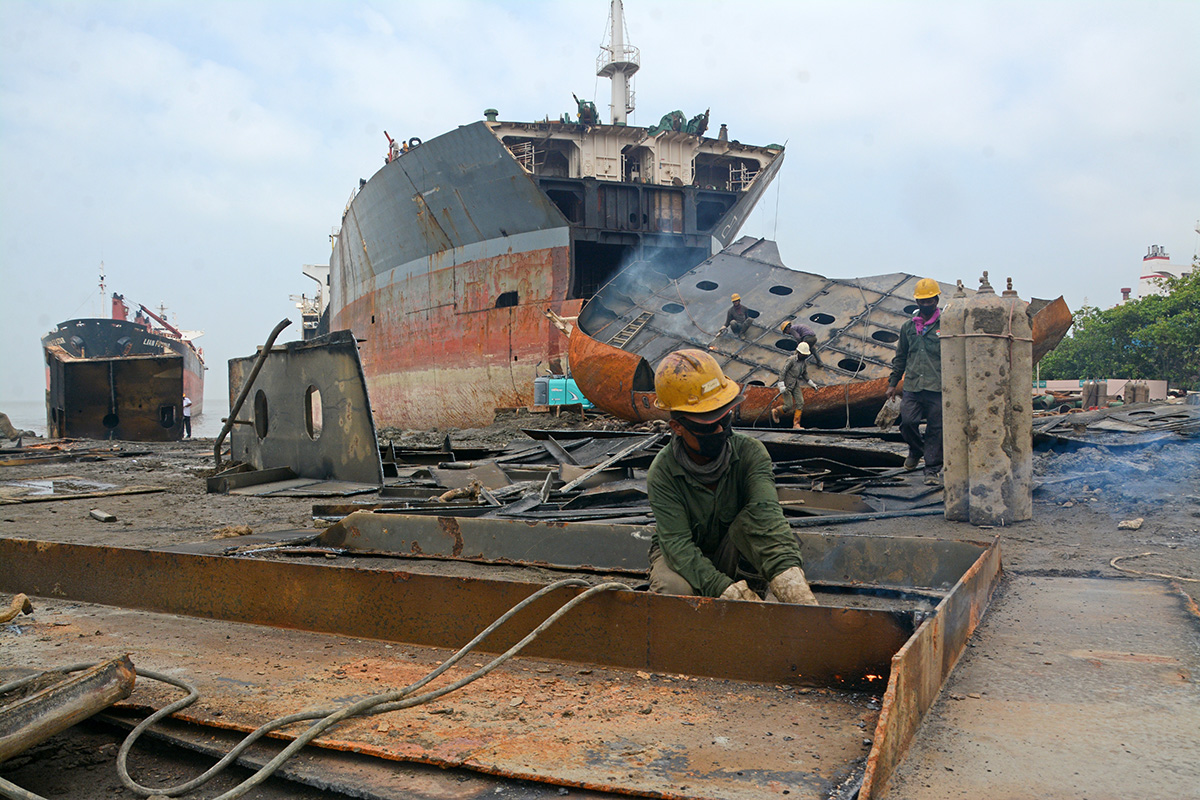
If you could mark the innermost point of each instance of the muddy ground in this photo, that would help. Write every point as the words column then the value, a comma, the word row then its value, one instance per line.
column 1137, row 506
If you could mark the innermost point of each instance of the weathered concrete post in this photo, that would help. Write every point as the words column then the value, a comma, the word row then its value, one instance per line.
column 988, row 408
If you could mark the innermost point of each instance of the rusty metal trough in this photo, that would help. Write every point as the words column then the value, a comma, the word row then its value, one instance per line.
column 836, row 649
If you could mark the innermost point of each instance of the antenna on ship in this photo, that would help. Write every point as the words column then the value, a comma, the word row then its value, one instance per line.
column 102, row 294
column 618, row 62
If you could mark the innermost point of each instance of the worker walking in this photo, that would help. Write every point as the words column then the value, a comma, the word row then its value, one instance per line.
column 919, row 362
column 803, row 334
column 737, row 320
column 719, row 525
column 792, row 382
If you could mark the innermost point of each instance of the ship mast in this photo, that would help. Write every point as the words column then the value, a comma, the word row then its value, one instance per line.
column 618, row 62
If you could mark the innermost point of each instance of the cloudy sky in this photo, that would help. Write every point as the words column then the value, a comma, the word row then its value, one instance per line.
column 204, row 151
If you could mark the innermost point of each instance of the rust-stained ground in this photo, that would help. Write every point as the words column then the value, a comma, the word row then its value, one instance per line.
column 1074, row 535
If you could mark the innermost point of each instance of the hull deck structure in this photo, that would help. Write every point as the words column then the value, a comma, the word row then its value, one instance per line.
column 448, row 257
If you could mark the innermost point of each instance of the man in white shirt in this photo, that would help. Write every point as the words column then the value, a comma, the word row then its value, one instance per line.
column 187, row 417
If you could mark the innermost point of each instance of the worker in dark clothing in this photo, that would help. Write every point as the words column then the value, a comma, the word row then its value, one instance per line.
column 718, row 522
column 803, row 333
column 919, row 362
column 791, row 384
column 737, row 320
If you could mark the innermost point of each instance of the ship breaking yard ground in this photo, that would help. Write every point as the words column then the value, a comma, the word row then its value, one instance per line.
column 1080, row 680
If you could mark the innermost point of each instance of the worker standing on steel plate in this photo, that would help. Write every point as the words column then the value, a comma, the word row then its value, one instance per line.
column 805, row 334
column 737, row 320
column 712, row 491
column 187, row 417
column 791, row 384
column 919, row 361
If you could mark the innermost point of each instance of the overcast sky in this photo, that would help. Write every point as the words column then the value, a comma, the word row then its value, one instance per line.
column 204, row 151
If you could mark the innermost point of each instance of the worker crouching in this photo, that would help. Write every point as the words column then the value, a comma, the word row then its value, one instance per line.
column 719, row 525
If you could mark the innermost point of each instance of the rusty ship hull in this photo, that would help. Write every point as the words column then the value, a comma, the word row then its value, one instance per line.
column 448, row 257
column 119, row 379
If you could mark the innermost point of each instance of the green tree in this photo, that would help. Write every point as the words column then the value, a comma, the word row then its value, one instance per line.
column 1153, row 338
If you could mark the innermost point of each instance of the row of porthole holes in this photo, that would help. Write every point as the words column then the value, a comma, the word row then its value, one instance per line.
column 313, row 417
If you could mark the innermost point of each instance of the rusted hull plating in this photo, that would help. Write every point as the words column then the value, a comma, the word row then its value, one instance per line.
column 828, row 646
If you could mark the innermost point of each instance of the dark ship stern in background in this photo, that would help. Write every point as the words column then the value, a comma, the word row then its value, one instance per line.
column 120, row 378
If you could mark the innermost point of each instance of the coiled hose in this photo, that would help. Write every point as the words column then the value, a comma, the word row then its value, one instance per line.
column 326, row 718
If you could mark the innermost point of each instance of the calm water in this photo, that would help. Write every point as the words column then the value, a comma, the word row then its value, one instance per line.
column 31, row 416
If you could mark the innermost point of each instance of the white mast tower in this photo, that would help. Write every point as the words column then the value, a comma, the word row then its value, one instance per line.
column 618, row 61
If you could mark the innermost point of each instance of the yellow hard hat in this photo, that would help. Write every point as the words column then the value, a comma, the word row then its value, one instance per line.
column 787, row 323
column 691, row 382
column 927, row 288
column 735, row 297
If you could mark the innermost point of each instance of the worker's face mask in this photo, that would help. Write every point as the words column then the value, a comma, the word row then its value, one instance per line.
column 926, row 307
column 710, row 437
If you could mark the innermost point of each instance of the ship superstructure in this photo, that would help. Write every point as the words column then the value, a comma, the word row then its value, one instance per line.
column 447, row 258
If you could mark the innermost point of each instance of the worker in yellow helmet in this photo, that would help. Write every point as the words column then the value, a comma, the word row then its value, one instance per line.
column 737, row 319
column 718, row 524
column 919, row 362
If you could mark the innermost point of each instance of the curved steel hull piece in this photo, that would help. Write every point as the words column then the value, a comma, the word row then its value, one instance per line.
column 642, row 315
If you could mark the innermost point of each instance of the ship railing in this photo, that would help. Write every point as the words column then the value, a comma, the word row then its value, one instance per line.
column 740, row 177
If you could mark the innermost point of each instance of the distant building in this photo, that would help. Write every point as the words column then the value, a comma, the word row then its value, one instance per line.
column 1157, row 265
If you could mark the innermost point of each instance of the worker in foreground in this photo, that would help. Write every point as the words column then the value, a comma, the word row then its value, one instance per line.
column 803, row 335
column 719, row 525
column 919, row 361
column 792, row 382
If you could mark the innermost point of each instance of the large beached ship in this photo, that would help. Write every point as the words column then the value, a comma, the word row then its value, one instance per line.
column 121, row 378
column 447, row 259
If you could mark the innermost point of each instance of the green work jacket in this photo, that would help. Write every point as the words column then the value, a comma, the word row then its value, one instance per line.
column 918, row 359
column 691, row 519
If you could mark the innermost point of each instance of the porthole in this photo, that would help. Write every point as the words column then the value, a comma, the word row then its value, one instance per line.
column 260, row 414
column 788, row 344
column 851, row 365
column 782, row 291
column 313, row 416
column 672, row 308
column 887, row 337
column 823, row 319
column 707, row 286
column 111, row 421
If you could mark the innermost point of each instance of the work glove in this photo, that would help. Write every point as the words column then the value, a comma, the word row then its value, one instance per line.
column 740, row 591
column 813, row 384
column 790, row 586
column 780, row 386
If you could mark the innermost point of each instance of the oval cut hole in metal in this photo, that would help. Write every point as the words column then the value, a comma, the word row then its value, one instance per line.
column 507, row 300
column 166, row 416
column 788, row 344
column 755, row 383
column 887, row 337
column 260, row 414
column 782, row 291
column 313, row 416
column 751, row 313
column 823, row 319
column 111, row 421
column 911, row 309
column 851, row 365
column 672, row 308
column 707, row 286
